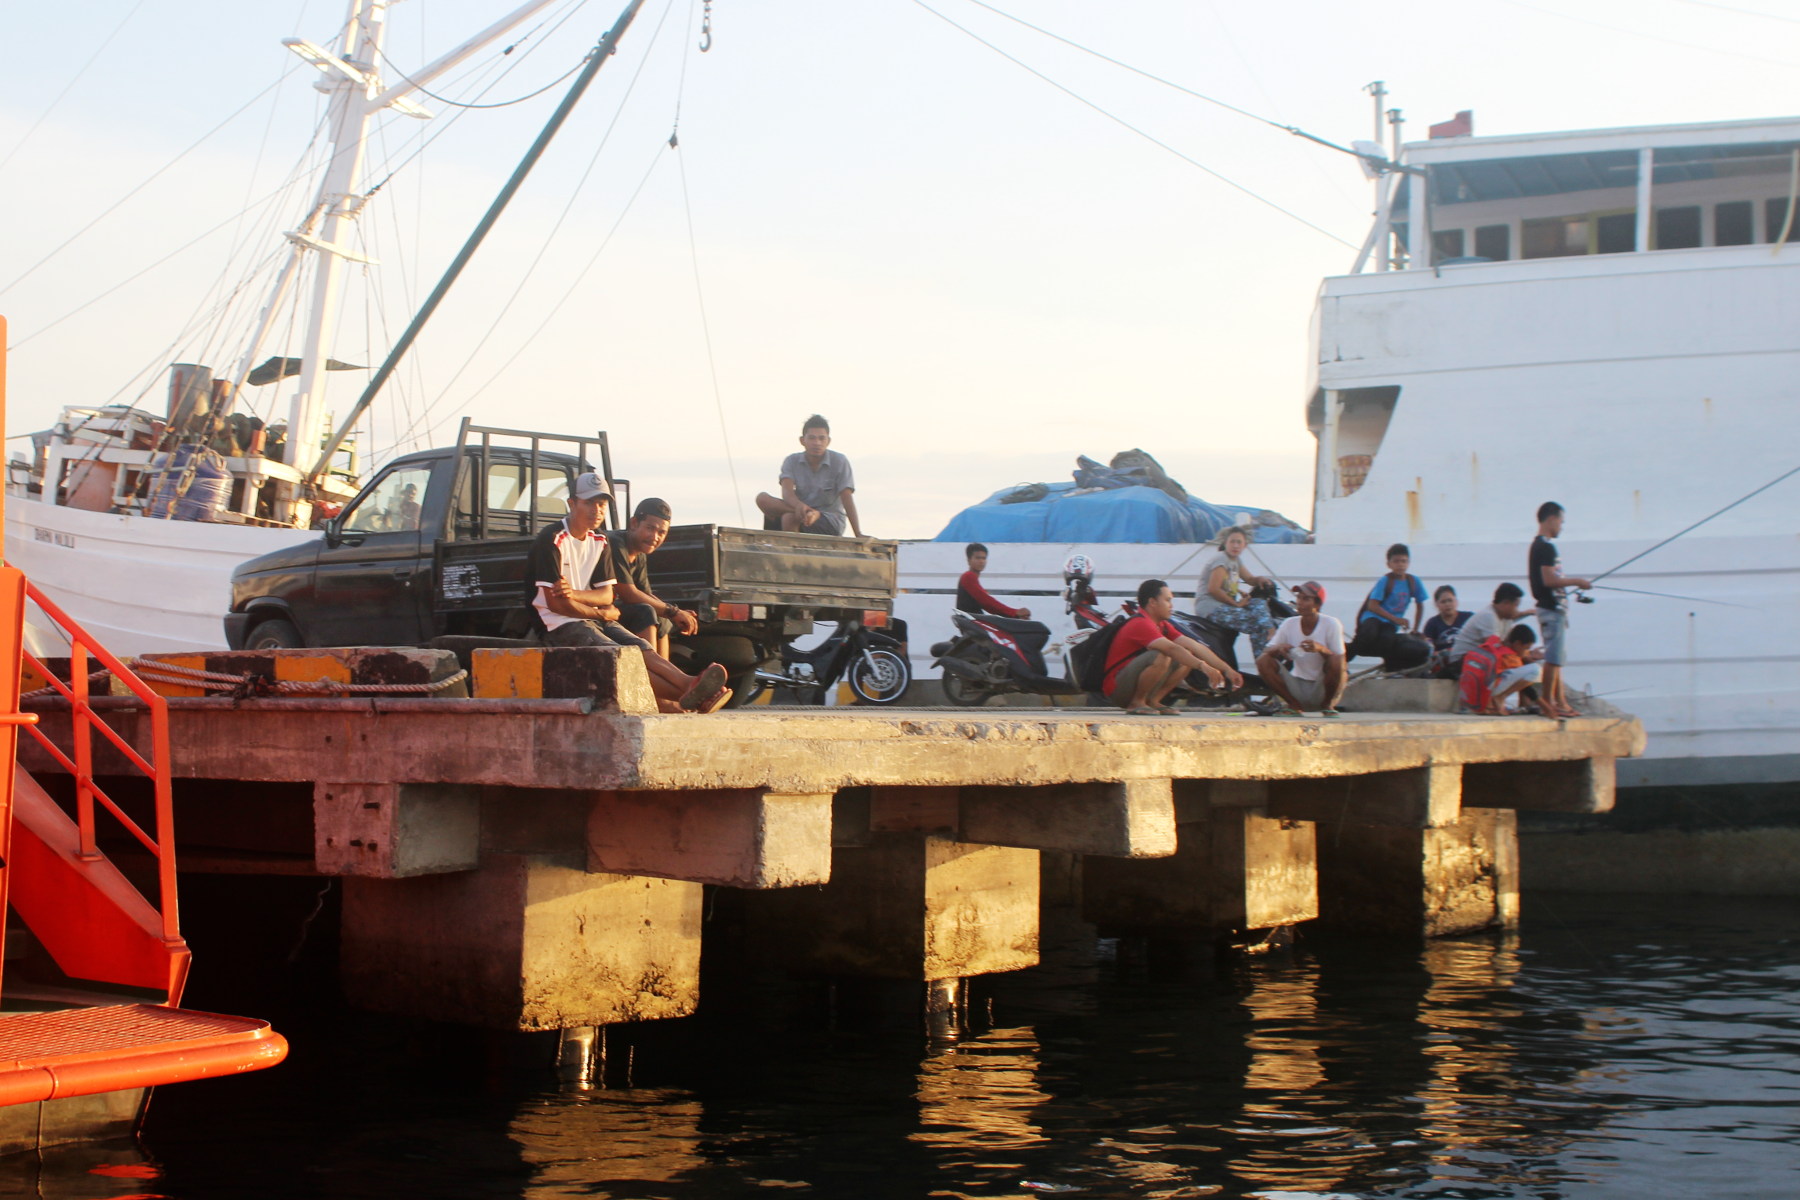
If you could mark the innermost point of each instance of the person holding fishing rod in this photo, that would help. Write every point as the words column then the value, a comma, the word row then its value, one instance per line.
column 1548, row 584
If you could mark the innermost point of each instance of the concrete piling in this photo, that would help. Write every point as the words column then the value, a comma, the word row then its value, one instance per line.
column 534, row 857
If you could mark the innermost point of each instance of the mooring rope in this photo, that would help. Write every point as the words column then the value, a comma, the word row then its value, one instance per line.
column 259, row 685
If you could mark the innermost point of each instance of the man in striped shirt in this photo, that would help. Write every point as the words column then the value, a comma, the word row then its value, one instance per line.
column 569, row 572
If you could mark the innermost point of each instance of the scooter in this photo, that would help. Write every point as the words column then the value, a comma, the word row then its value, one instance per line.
column 876, row 666
column 991, row 656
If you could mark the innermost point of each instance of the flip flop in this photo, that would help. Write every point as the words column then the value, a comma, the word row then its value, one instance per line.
column 1285, row 711
column 1328, row 712
column 717, row 702
column 708, row 685
column 1167, row 710
column 1142, row 710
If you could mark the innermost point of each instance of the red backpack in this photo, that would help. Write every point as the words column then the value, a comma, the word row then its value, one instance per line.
column 1481, row 666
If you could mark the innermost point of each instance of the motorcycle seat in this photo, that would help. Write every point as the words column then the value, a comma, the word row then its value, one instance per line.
column 1010, row 625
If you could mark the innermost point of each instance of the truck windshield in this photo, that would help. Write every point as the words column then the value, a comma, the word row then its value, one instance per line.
column 393, row 505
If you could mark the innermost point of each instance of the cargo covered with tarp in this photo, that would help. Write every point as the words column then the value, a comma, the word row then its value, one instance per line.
column 1131, row 499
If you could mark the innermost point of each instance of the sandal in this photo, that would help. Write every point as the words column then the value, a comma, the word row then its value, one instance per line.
column 707, row 685
column 717, row 702
column 1167, row 710
column 1328, row 712
column 1142, row 710
column 1288, row 710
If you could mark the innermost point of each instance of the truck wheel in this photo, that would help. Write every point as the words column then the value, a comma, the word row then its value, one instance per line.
column 879, row 677
column 964, row 692
column 274, row 634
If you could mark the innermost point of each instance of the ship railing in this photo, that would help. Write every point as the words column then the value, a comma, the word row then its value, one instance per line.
column 78, row 762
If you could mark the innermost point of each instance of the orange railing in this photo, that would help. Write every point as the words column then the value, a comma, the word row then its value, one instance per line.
column 79, row 763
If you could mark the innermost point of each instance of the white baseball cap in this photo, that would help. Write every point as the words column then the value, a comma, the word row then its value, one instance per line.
column 589, row 486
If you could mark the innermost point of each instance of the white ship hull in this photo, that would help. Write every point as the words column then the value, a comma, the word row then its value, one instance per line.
column 1718, row 697
column 137, row 583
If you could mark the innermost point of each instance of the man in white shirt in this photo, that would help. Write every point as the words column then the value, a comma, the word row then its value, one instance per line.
column 570, row 589
column 1304, row 663
column 1496, row 620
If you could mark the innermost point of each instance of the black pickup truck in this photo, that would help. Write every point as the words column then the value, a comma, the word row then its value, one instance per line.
column 436, row 543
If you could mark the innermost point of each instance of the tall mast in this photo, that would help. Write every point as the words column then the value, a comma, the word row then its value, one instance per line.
column 351, row 77
column 351, row 81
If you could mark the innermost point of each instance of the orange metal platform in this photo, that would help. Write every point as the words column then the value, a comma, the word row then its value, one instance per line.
column 83, row 1051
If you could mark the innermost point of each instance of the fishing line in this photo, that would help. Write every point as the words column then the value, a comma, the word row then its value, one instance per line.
column 1607, row 587
column 1703, row 520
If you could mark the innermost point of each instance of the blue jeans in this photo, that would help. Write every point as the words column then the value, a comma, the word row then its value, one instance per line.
column 1256, row 621
column 1553, row 623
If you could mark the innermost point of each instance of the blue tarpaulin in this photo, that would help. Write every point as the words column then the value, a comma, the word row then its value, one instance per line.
column 1117, row 514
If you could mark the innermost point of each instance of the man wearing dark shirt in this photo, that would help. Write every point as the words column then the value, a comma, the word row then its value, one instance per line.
column 640, row 610
column 569, row 582
column 1544, row 570
column 971, row 597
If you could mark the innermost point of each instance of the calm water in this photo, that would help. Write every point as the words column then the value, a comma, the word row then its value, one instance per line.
column 1616, row 1048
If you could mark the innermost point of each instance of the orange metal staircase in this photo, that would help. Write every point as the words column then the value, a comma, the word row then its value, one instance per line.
column 94, row 922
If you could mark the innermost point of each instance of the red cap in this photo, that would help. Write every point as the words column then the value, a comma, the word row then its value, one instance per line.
column 1315, row 587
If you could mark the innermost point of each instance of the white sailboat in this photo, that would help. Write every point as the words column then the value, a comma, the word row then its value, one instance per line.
column 1607, row 318
column 136, row 537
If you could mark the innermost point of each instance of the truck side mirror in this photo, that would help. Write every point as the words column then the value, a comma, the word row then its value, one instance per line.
column 333, row 534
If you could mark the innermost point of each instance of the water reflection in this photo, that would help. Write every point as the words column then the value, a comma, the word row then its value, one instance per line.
column 1621, row 1049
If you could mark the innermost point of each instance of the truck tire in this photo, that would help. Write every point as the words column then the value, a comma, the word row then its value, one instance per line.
column 879, row 677
column 274, row 634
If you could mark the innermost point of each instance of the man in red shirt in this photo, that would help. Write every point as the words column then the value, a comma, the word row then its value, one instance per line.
column 971, row 597
column 1149, row 657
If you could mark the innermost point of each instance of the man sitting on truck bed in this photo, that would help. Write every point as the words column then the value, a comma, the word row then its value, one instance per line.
column 571, row 582
column 817, row 487
column 641, row 611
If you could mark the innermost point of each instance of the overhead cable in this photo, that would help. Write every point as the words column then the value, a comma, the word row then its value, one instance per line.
column 1151, row 138
column 1229, row 107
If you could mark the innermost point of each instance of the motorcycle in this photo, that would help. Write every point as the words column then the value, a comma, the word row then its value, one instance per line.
column 991, row 656
column 874, row 662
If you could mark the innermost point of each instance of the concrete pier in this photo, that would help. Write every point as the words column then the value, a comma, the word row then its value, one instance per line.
column 533, row 856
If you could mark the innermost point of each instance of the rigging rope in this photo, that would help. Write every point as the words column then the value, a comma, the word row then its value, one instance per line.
column 1152, row 139
column 549, row 238
column 67, row 87
column 687, row 208
column 152, row 178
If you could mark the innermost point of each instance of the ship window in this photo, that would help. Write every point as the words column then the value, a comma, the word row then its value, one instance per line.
column 1678, row 228
column 1493, row 241
column 1553, row 237
column 1615, row 233
column 1776, row 213
column 1446, row 243
column 1734, row 223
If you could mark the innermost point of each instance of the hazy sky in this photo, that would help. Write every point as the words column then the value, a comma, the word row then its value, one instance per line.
column 974, row 274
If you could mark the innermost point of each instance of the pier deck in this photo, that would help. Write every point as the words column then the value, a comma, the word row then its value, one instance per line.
column 537, row 862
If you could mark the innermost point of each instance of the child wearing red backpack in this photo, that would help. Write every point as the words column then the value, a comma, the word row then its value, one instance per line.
column 1495, row 670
